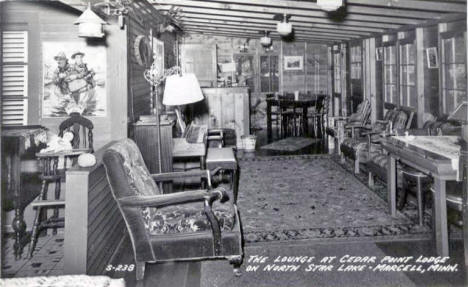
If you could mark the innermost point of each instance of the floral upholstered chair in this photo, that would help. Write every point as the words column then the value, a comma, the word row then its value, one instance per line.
column 198, row 224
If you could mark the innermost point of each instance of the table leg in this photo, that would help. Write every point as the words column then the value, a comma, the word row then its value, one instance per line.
column 440, row 208
column 305, row 122
column 391, row 184
column 235, row 182
column 14, row 178
column 268, row 121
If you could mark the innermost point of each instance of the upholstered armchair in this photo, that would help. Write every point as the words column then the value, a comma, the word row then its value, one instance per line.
column 187, row 225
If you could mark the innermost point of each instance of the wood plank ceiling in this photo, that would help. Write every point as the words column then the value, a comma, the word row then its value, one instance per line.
column 357, row 19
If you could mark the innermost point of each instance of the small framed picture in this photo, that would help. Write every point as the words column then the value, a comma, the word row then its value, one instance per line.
column 432, row 58
column 379, row 53
column 293, row 62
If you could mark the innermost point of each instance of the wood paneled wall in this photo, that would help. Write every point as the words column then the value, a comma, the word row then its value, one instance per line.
column 53, row 21
column 144, row 19
column 307, row 79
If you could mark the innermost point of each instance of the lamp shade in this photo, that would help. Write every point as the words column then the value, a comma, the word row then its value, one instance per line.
column 265, row 41
column 284, row 28
column 182, row 90
column 329, row 5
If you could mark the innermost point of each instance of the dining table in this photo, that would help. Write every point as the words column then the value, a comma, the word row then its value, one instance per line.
column 286, row 102
column 437, row 156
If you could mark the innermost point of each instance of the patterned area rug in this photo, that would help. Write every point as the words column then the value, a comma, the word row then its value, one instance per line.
column 47, row 258
column 290, row 144
column 312, row 197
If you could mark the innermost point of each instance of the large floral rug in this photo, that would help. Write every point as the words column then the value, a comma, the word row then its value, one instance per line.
column 312, row 197
column 290, row 144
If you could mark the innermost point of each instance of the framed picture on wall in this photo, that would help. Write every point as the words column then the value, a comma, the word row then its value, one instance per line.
column 158, row 54
column 74, row 79
column 432, row 58
column 293, row 63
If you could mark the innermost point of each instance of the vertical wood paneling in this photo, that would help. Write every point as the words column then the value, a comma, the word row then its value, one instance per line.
column 94, row 226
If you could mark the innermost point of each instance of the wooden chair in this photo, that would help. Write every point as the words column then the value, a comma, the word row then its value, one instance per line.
column 186, row 225
column 51, row 172
column 320, row 114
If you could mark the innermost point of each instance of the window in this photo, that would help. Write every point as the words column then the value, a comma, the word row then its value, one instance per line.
column 390, row 75
column 337, row 72
column 453, row 69
column 269, row 74
column 408, row 95
column 15, row 78
column 356, row 63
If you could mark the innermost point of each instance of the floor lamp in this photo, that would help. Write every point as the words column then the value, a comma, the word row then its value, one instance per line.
column 156, row 77
column 182, row 89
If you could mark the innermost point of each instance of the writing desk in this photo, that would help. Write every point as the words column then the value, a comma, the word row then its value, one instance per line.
column 437, row 156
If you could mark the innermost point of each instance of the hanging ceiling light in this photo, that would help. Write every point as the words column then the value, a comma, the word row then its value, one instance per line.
column 284, row 28
column 329, row 5
column 90, row 25
column 265, row 41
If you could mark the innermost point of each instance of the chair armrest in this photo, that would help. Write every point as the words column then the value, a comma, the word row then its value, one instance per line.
column 174, row 198
column 382, row 122
column 372, row 132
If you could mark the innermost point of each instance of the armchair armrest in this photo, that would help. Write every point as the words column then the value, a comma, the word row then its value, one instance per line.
column 174, row 198
column 382, row 122
column 208, row 197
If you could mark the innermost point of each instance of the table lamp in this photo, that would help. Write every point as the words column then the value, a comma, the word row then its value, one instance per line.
column 182, row 89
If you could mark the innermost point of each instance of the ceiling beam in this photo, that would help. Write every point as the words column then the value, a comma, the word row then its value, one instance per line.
column 253, row 36
column 256, row 31
column 208, row 13
column 221, row 7
column 269, row 26
column 312, row 6
column 446, row 6
column 332, row 27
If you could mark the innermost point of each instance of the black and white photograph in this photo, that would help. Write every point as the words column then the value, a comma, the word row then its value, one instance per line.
column 233, row 143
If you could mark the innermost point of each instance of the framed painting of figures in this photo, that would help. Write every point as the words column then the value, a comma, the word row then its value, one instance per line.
column 74, row 79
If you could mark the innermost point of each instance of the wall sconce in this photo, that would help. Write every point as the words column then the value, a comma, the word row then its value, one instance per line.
column 284, row 28
column 265, row 41
column 329, row 5
column 90, row 25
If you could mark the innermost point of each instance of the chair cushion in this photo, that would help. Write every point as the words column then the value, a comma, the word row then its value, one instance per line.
column 138, row 176
column 187, row 218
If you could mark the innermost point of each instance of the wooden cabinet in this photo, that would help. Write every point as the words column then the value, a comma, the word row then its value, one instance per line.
column 228, row 108
column 146, row 137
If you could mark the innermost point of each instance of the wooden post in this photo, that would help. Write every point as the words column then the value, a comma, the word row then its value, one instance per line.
column 76, row 222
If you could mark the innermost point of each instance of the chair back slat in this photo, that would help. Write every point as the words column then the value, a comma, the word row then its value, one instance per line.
column 75, row 124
